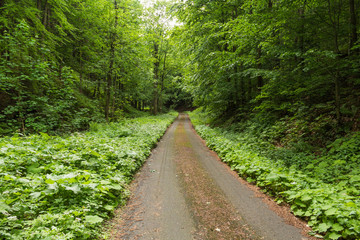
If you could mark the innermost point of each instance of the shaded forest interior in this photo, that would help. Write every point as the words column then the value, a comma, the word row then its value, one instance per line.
column 288, row 70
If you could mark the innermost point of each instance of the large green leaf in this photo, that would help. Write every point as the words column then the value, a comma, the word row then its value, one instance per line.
column 323, row 227
column 93, row 219
column 4, row 207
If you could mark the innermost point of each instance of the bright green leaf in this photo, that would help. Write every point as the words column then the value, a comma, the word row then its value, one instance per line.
column 334, row 236
column 93, row 219
column 337, row 227
column 323, row 227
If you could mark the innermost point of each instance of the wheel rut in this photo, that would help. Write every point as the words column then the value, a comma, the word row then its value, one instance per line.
column 184, row 192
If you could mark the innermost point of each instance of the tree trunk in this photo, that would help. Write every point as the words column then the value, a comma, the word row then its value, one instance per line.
column 156, row 78
column 98, row 88
column 2, row 27
column 108, row 92
column 302, row 28
column 242, row 92
column 337, row 98
column 260, row 80
column 45, row 17
column 236, row 87
column 111, row 65
column 113, row 105
column 38, row 4
column 163, row 75
column 155, row 99
column 81, row 72
column 249, row 92
column 353, row 30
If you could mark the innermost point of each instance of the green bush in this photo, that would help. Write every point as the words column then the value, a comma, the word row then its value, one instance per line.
column 62, row 188
column 329, row 202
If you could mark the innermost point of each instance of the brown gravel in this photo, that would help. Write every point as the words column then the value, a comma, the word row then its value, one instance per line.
column 213, row 213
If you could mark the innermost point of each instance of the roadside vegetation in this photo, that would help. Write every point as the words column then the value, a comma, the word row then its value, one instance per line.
column 64, row 187
column 277, row 84
column 324, row 190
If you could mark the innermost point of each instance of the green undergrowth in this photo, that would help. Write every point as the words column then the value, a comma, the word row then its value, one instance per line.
column 325, row 191
column 64, row 187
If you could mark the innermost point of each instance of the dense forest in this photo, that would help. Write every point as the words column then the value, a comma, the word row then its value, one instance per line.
column 66, row 63
column 282, row 76
column 293, row 65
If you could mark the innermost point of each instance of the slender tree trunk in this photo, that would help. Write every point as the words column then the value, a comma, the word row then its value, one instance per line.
column 156, row 78
column 98, row 88
column 236, row 87
column 260, row 80
column 242, row 92
column 249, row 92
column 353, row 27
column 302, row 28
column 337, row 98
column 91, row 80
column 163, row 75
column 44, row 21
column 113, row 105
column 155, row 99
column 39, row 5
column 81, row 72
column 111, row 65
column 2, row 4
column 46, row 16
column 107, row 93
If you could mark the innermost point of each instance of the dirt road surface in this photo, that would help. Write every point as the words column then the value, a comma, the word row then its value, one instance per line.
column 185, row 192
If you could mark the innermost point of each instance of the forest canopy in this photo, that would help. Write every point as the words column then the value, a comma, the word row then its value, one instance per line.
column 67, row 63
column 291, row 64
column 291, row 67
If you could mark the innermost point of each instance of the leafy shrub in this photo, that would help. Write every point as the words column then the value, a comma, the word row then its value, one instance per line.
column 40, row 95
column 63, row 188
column 331, row 207
column 341, row 162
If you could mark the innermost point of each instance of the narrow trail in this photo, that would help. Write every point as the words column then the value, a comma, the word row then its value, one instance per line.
column 185, row 192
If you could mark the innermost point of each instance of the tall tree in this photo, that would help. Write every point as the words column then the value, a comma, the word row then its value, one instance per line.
column 109, row 76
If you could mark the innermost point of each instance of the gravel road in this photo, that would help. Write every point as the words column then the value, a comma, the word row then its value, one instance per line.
column 185, row 192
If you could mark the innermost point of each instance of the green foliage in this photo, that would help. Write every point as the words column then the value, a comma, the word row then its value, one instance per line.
column 341, row 163
column 289, row 64
column 324, row 191
column 64, row 188
column 41, row 95
column 65, row 63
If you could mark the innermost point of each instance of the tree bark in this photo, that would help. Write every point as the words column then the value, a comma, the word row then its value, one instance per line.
column 353, row 30
column 156, row 79
column 163, row 75
column 111, row 65
column 45, row 17
column 113, row 105
column 260, row 80
column 38, row 4
column 81, row 72
column 337, row 98
column 302, row 28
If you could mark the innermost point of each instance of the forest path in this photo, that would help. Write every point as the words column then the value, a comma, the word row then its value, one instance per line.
column 185, row 192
